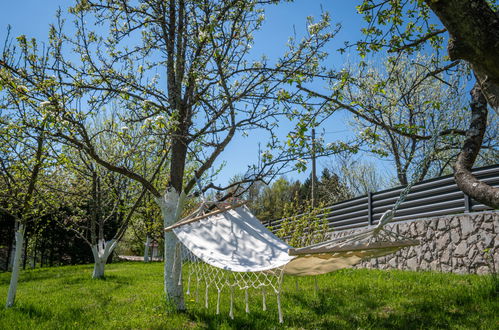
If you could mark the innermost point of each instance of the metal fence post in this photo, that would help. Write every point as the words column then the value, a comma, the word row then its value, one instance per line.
column 468, row 203
column 370, row 208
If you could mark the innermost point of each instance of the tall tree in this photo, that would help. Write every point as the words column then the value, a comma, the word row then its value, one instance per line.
column 179, row 67
column 23, row 157
column 397, row 27
column 399, row 95
column 100, row 204
column 472, row 31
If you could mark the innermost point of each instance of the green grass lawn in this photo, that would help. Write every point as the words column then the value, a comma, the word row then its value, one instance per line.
column 132, row 296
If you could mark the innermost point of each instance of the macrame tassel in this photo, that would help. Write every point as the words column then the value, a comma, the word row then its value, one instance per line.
column 180, row 275
column 264, row 299
column 279, row 307
column 231, row 309
column 188, row 292
column 206, row 296
column 246, row 300
column 218, row 301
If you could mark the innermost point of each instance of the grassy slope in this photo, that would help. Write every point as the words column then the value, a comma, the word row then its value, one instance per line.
column 131, row 296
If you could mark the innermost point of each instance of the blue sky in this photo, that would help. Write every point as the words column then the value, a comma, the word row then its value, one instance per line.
column 32, row 17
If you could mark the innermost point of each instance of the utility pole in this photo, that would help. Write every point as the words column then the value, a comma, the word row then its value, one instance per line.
column 312, row 179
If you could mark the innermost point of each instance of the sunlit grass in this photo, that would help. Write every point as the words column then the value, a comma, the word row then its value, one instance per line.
column 131, row 296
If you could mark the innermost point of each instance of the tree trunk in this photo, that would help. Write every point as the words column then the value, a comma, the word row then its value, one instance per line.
column 171, row 207
column 146, row 248
column 474, row 30
column 25, row 254
column 12, row 250
column 474, row 37
column 99, row 265
column 465, row 180
column 33, row 258
column 11, row 296
column 101, row 252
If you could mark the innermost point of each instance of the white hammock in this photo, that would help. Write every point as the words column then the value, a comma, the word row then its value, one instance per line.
column 237, row 251
column 236, row 240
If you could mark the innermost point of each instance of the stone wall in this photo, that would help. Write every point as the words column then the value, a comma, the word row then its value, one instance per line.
column 461, row 243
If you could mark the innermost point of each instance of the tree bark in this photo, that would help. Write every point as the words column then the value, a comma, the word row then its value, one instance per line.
column 474, row 37
column 474, row 31
column 171, row 207
column 101, row 253
column 465, row 180
column 14, row 279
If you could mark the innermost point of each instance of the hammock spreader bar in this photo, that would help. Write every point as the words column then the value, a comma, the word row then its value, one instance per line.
column 189, row 219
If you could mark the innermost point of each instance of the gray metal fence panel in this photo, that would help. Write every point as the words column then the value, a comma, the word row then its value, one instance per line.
column 434, row 197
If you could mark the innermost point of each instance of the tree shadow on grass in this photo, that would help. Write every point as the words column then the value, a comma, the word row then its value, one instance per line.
column 116, row 279
column 48, row 273
column 253, row 320
column 45, row 317
column 33, row 311
column 364, row 310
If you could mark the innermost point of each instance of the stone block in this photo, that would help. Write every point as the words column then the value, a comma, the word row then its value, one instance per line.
column 421, row 227
column 443, row 242
column 487, row 239
column 430, row 234
column 487, row 226
column 428, row 256
column 404, row 229
column 413, row 264
column 454, row 235
column 467, row 226
column 413, row 232
column 482, row 270
column 412, row 252
column 454, row 222
column 393, row 262
column 445, row 258
column 445, row 268
column 473, row 239
column 461, row 249
column 442, row 225
column 479, row 258
column 471, row 254
column 456, row 263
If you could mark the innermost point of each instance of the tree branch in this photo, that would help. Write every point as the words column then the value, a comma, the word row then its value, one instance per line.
column 465, row 180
